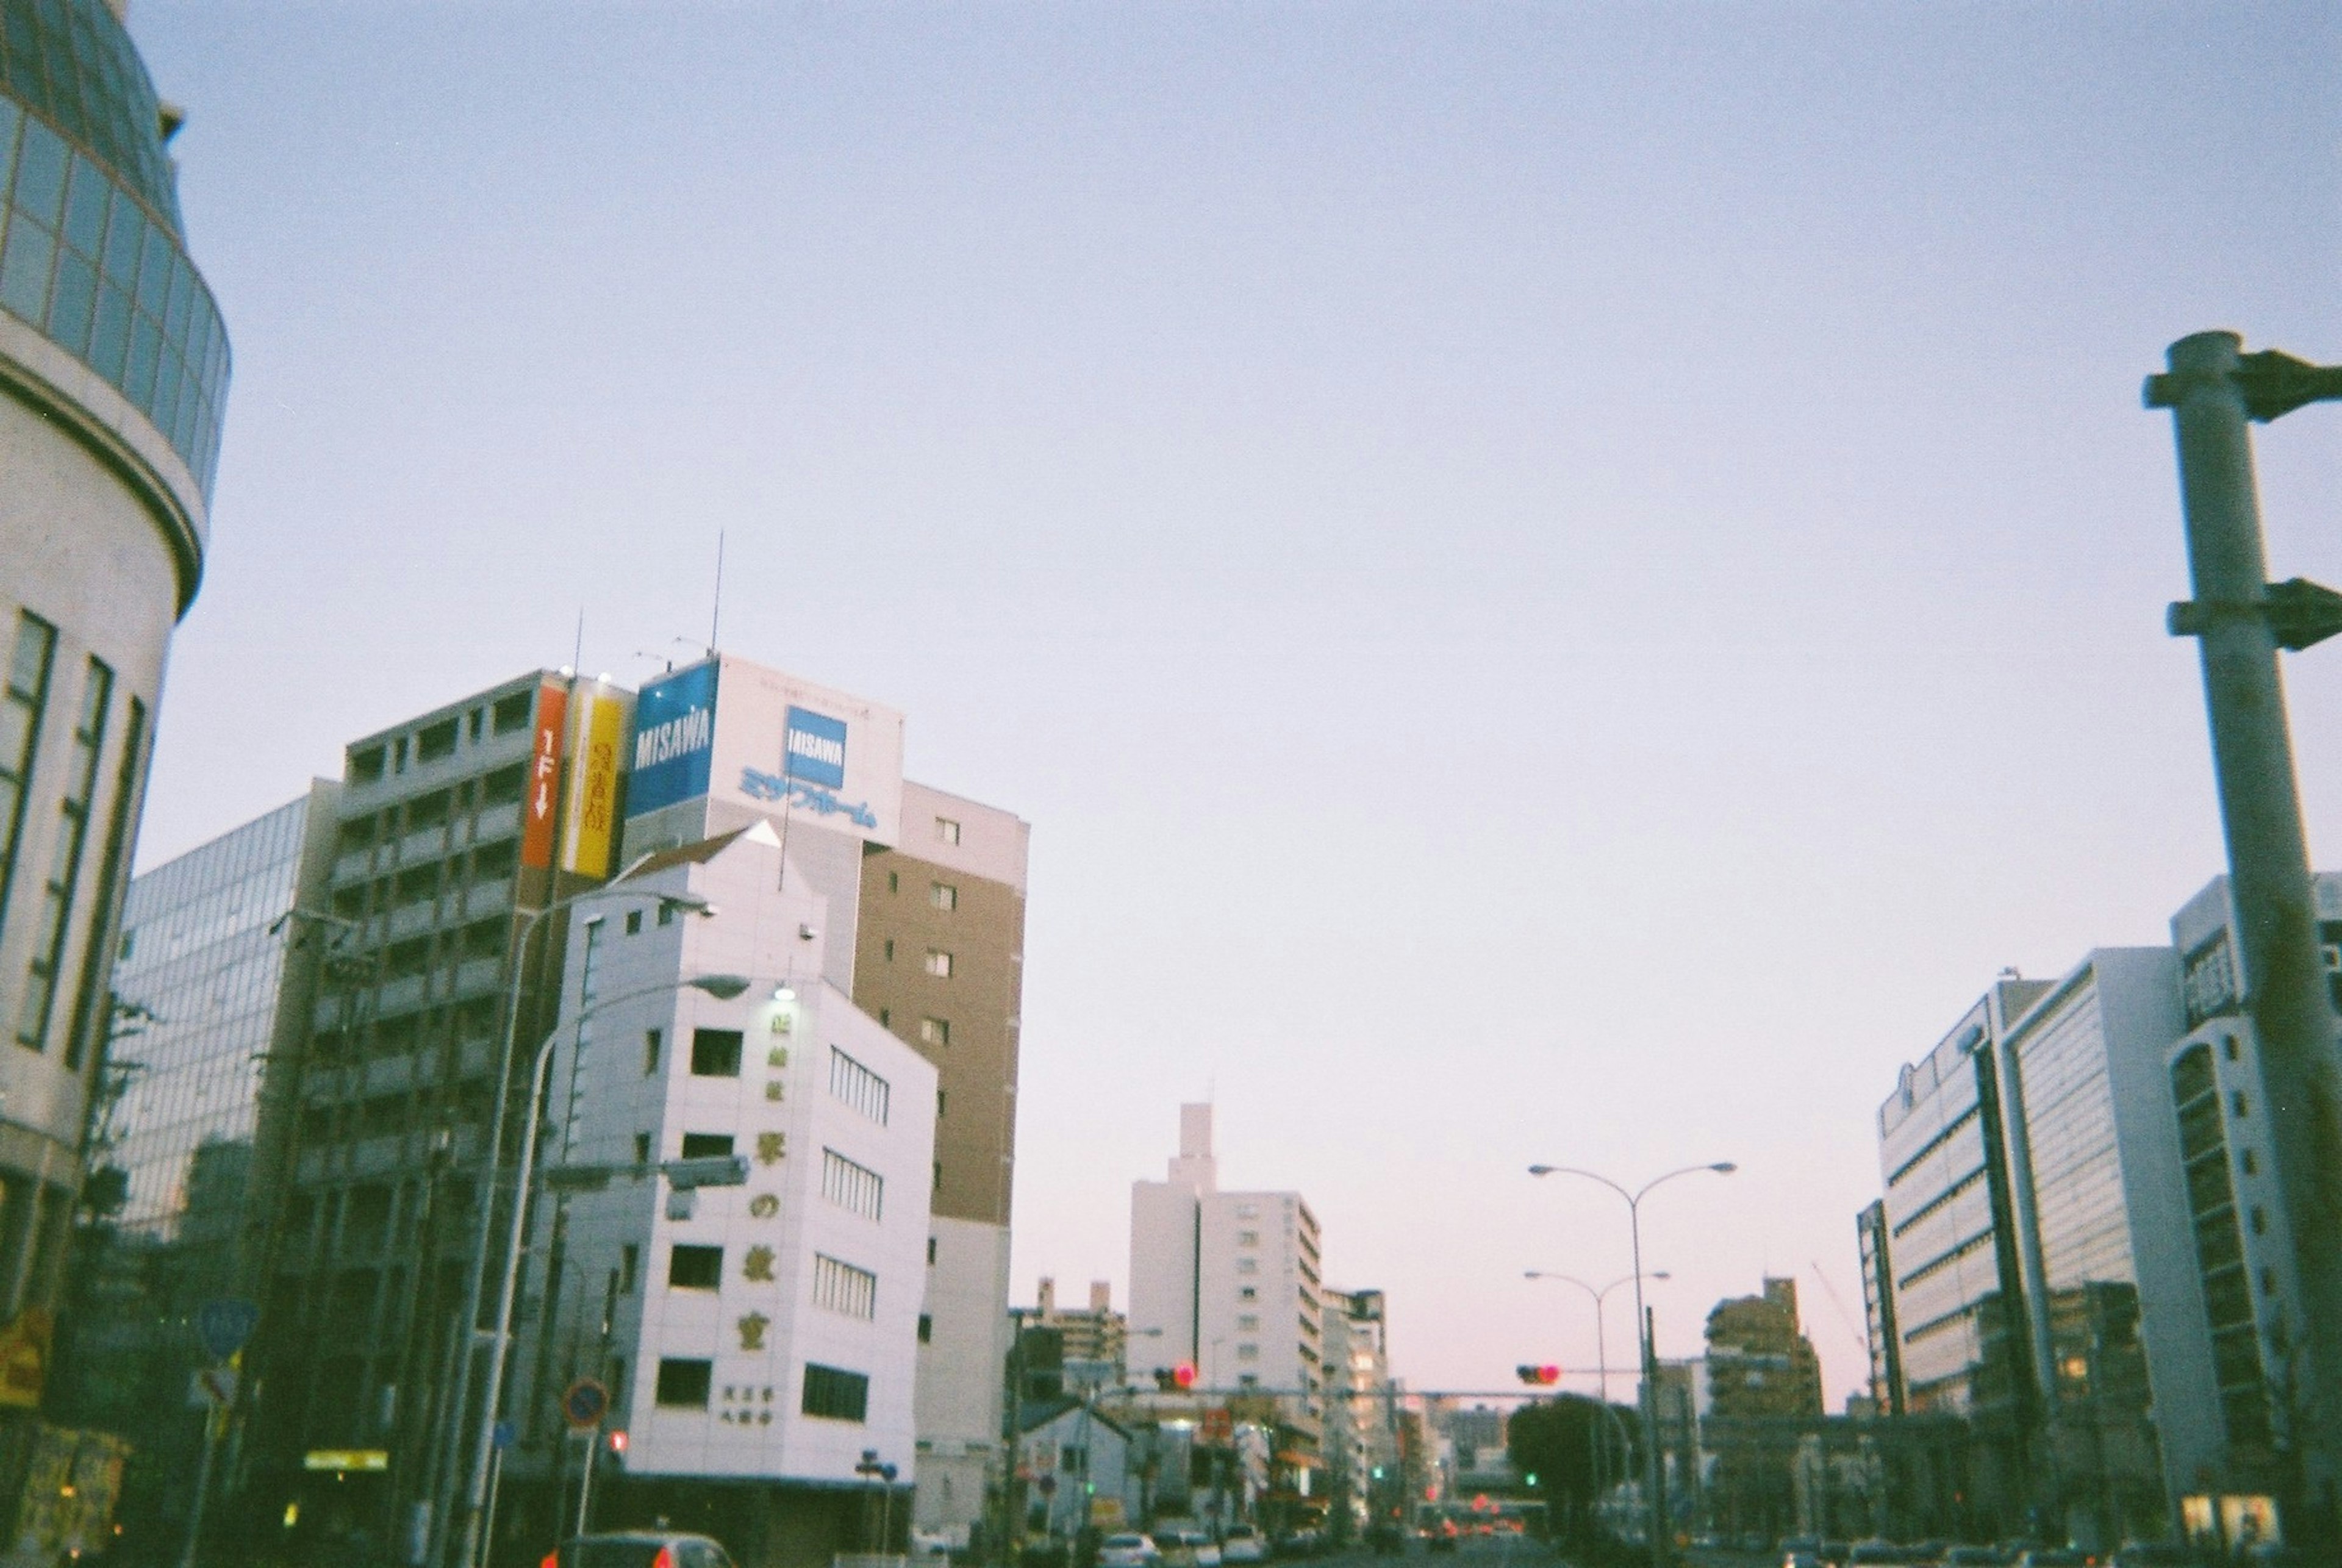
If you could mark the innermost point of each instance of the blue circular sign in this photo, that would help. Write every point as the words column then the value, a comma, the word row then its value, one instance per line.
column 584, row 1404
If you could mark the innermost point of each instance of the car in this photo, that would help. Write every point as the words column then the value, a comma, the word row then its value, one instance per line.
column 1188, row 1544
column 1242, row 1544
column 639, row 1549
column 1129, row 1549
column 2054, row 1557
column 1801, row 1559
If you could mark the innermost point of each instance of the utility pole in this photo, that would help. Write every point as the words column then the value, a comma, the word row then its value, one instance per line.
column 2240, row 620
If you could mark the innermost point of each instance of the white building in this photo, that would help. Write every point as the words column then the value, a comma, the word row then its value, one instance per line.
column 763, row 1332
column 1230, row 1280
column 1361, row 1446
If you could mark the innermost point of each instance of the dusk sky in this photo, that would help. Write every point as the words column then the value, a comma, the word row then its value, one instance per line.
column 1557, row 583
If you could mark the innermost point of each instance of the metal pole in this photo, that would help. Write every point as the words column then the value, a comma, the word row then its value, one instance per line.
column 495, row 1483
column 499, row 1342
column 1646, row 1397
column 2283, row 977
column 214, row 1418
column 585, row 1482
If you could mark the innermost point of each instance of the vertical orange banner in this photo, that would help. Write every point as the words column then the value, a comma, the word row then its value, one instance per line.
column 540, row 808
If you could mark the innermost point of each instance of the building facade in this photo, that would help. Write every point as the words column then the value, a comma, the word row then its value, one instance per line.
column 757, row 1341
column 1762, row 1396
column 1361, row 1444
column 114, row 367
column 213, row 964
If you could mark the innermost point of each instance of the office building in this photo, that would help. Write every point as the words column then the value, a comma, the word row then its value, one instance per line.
column 2102, row 1217
column 114, row 366
column 755, row 1341
column 1761, row 1396
column 208, row 986
column 2243, row 1251
column 1090, row 1344
column 925, row 930
column 1361, row 1443
column 1877, row 1256
column 446, row 827
column 1962, row 1346
column 1231, row 1283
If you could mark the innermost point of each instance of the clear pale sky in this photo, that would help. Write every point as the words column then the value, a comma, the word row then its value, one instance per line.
column 1557, row 583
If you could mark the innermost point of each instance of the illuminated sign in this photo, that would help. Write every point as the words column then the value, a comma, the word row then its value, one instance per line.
column 814, row 748
column 345, row 1458
column 675, row 740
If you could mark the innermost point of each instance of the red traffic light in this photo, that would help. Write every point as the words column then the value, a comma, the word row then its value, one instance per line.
column 619, row 1440
column 1539, row 1377
column 1184, row 1374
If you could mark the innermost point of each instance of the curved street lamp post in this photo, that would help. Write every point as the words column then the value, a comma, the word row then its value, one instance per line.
column 1647, row 1397
column 1601, row 1352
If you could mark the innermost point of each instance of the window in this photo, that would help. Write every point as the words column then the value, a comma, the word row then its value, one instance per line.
column 939, row 964
column 511, row 713
column 630, row 1266
column 434, row 741
column 716, row 1052
column 1247, row 1265
column 1247, row 1238
column 685, row 1383
column 2250, row 1161
column 666, row 914
column 857, row 1086
column 926, row 1328
column 1248, row 1323
column 852, row 1187
column 890, row 950
column 642, row 1148
column 841, row 1288
column 943, row 1103
column 2260, row 1220
column 894, row 882
column 885, row 1018
column 2237, row 1103
column 834, row 1394
column 690, row 1268
column 2228, row 1046
column 1247, row 1292
column 652, row 1040
column 1248, row 1352
column 931, row 1249
column 64, row 874
column 634, row 922
column 21, row 704
column 947, row 830
column 1247, row 1211
column 939, row 1177
column 935, row 1032
column 706, row 1145
column 943, row 895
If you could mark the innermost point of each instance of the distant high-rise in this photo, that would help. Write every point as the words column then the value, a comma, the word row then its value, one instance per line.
column 1231, row 1283
column 113, row 367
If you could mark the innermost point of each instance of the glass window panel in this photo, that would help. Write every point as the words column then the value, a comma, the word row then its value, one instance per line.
column 182, row 294
column 85, row 197
column 145, row 353
column 110, row 338
column 124, row 237
column 71, row 303
column 41, row 173
column 25, row 269
column 184, row 427
column 166, row 405
column 11, row 117
column 154, row 272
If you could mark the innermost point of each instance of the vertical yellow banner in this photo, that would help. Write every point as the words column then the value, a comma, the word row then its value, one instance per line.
column 593, row 784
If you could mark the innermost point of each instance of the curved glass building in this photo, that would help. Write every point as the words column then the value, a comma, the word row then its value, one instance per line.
column 113, row 366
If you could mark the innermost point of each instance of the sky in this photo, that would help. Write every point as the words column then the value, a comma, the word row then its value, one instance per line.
column 1557, row 583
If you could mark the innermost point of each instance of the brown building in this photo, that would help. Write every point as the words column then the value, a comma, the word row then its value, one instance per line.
column 1764, row 1393
column 939, row 960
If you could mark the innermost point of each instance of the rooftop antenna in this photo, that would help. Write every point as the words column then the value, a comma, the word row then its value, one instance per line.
column 715, row 616
column 578, row 656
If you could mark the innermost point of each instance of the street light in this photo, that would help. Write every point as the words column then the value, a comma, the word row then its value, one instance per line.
column 1600, row 1356
column 720, row 986
column 1647, row 1398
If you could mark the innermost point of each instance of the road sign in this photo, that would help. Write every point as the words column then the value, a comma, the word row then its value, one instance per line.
column 503, row 1435
column 213, row 1387
column 225, row 1324
column 584, row 1404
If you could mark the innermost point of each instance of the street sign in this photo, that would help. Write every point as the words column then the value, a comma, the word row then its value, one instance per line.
column 503, row 1435
column 225, row 1324
column 584, row 1404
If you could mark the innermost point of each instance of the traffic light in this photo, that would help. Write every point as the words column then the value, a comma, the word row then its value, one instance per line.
column 1184, row 1374
column 618, row 1441
column 1539, row 1377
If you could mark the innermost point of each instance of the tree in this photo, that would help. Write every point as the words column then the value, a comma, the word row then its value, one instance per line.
column 1567, row 1442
